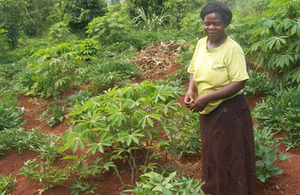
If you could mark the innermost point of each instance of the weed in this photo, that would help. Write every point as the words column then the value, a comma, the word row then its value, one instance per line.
column 7, row 183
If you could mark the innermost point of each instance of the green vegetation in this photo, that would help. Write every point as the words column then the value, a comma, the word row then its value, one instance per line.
column 159, row 183
column 6, row 183
column 10, row 114
column 80, row 56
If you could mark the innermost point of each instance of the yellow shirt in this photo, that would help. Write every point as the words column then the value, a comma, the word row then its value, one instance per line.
column 215, row 68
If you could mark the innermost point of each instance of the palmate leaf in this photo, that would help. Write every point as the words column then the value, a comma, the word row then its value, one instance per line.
column 105, row 140
column 283, row 60
column 274, row 42
column 295, row 75
column 118, row 119
column 74, row 141
column 147, row 120
column 129, row 137
column 170, row 106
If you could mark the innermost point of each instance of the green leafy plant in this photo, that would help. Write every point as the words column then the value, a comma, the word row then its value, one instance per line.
column 59, row 32
column 17, row 138
column 192, row 23
column 79, row 13
column 111, row 28
column 10, row 113
column 266, row 153
column 80, row 96
column 54, row 69
column 125, row 122
column 109, row 73
column 3, row 42
column 54, row 114
column 277, row 46
column 180, row 9
column 280, row 112
column 81, row 187
column 257, row 83
column 47, row 175
column 188, row 140
column 156, row 183
column 7, row 183
column 87, row 49
column 150, row 22
column 103, row 81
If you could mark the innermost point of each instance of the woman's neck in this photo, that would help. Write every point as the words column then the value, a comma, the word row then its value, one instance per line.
column 216, row 43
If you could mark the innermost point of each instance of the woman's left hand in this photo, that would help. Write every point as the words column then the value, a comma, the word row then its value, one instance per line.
column 200, row 103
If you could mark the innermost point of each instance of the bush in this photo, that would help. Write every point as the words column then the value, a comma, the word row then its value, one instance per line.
column 277, row 43
column 78, row 13
column 257, row 83
column 280, row 111
column 150, row 22
column 124, row 122
column 111, row 28
column 10, row 114
column 153, row 183
column 55, row 69
column 266, row 154
column 192, row 23
column 59, row 32
column 179, row 9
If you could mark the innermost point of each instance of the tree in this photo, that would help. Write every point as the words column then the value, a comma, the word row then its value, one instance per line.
column 78, row 13
column 11, row 19
column 180, row 8
column 40, row 15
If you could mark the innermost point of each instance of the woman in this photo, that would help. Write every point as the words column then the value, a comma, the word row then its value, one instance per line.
column 218, row 75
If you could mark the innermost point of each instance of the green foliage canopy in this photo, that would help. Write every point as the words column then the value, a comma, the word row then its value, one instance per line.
column 11, row 19
column 78, row 13
column 277, row 47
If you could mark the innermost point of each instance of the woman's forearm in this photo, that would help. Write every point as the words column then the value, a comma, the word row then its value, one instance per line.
column 192, row 86
column 226, row 91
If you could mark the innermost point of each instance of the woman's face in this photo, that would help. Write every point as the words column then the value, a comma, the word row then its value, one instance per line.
column 214, row 26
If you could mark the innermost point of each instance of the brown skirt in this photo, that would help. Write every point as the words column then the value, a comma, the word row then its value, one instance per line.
column 228, row 158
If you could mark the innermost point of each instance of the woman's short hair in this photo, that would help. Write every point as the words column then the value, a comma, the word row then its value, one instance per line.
column 217, row 7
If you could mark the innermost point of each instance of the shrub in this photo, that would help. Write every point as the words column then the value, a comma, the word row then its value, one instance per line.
column 180, row 9
column 54, row 69
column 266, row 154
column 54, row 114
column 125, row 121
column 257, row 83
column 17, row 138
column 192, row 23
column 59, row 32
column 10, row 114
column 277, row 46
column 78, row 13
column 149, row 22
column 280, row 111
column 153, row 183
column 111, row 28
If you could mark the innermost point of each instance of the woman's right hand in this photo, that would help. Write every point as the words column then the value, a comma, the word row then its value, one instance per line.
column 189, row 99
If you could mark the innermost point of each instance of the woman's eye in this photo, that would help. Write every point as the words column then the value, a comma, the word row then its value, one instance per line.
column 215, row 24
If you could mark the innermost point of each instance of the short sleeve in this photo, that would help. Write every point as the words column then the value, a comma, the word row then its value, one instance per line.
column 191, row 69
column 237, row 70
